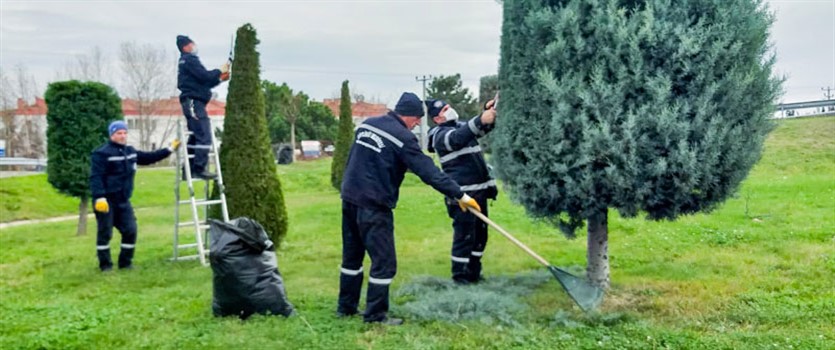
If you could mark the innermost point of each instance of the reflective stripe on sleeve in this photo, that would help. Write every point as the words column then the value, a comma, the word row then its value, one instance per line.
column 118, row 158
column 382, row 133
column 460, row 152
column 473, row 128
column 481, row 186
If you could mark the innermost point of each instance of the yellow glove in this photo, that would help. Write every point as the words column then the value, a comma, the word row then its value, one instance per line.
column 468, row 202
column 174, row 145
column 102, row 206
column 224, row 68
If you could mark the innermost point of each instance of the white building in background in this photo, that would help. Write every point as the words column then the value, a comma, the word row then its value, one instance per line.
column 29, row 121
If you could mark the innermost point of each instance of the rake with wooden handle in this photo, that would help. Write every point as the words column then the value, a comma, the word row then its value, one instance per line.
column 587, row 296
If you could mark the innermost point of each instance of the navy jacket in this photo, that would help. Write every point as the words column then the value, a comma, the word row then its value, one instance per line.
column 193, row 80
column 114, row 166
column 460, row 155
column 382, row 151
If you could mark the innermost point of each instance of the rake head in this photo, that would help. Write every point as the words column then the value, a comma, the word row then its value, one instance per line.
column 587, row 296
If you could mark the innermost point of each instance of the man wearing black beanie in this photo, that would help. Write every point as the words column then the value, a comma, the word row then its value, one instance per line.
column 195, row 84
column 384, row 148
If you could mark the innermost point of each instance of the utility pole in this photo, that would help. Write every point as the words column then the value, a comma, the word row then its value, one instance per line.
column 424, row 125
column 828, row 93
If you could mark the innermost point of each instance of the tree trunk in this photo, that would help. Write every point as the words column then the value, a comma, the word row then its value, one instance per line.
column 82, row 217
column 598, row 250
column 293, row 138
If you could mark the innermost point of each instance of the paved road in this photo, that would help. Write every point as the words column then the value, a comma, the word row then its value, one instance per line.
column 19, row 173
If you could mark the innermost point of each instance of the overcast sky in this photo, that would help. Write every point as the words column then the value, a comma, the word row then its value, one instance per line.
column 380, row 46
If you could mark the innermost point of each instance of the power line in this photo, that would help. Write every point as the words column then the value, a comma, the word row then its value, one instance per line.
column 424, row 125
column 828, row 92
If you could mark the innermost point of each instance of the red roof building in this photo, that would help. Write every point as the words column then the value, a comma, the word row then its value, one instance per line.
column 359, row 110
column 130, row 107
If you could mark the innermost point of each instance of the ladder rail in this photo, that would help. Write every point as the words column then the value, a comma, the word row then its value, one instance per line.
column 221, row 188
column 177, row 190
column 200, row 226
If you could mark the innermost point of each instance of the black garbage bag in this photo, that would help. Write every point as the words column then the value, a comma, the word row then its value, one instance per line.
column 283, row 153
column 245, row 269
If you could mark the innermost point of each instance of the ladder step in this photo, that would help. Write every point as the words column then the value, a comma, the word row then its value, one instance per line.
column 202, row 225
column 190, row 257
column 203, row 202
column 196, row 179
column 186, row 246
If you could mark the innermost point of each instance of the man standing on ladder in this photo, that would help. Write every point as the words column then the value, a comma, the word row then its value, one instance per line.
column 195, row 84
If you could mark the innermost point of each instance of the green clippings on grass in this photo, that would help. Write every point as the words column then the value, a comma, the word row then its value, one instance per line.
column 498, row 299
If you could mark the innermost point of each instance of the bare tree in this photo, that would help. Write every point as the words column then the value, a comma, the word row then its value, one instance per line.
column 358, row 97
column 292, row 109
column 8, row 106
column 92, row 66
column 31, row 129
column 23, row 135
column 149, row 80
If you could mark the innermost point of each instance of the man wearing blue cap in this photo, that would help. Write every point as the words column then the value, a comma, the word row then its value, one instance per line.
column 384, row 148
column 456, row 144
column 111, row 183
column 195, row 84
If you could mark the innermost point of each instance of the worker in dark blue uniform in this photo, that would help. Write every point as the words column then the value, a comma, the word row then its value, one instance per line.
column 111, row 183
column 384, row 148
column 195, row 84
column 460, row 155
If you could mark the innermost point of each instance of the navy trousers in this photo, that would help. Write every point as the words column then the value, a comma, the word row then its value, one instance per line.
column 122, row 217
column 200, row 141
column 468, row 242
column 372, row 231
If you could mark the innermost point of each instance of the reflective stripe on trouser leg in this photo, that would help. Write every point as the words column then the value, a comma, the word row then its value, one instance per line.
column 376, row 226
column 350, row 287
column 353, row 252
column 104, row 230
column 125, row 221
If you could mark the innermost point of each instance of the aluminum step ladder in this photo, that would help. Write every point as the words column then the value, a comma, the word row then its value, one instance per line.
column 198, row 224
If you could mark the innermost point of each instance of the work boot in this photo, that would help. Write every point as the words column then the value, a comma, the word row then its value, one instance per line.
column 205, row 175
column 391, row 321
column 461, row 281
column 106, row 268
column 345, row 314
column 475, row 279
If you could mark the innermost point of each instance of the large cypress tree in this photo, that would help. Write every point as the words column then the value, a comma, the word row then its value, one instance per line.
column 77, row 118
column 252, row 185
column 344, row 138
column 652, row 107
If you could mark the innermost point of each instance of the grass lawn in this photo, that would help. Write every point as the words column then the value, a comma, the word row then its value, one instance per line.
column 757, row 273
